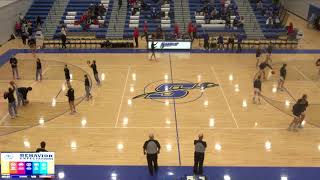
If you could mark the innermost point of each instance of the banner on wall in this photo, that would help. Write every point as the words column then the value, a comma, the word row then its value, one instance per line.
column 170, row 45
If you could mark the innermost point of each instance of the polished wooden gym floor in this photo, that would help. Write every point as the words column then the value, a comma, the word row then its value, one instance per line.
column 111, row 128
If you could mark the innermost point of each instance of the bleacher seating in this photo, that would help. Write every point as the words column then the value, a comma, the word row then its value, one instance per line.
column 213, row 26
column 39, row 8
column 269, row 32
column 138, row 19
column 76, row 8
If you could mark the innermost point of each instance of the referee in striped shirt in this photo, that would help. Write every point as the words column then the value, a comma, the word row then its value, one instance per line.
column 199, row 149
column 152, row 148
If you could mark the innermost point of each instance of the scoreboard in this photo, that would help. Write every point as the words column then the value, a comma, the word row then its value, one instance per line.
column 27, row 165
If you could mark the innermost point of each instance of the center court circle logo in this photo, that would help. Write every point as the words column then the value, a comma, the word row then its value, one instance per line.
column 180, row 90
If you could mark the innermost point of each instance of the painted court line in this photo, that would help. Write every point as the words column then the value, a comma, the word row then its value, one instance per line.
column 124, row 90
column 224, row 96
column 306, row 77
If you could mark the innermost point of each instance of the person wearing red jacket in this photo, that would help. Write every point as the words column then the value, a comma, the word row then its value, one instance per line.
column 176, row 30
column 194, row 32
column 145, row 30
column 190, row 30
column 290, row 28
column 136, row 36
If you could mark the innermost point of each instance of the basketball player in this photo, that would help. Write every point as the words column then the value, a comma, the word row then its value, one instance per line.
column 257, row 84
column 93, row 65
column 38, row 70
column 269, row 50
column 67, row 74
column 87, row 87
column 12, row 108
column 14, row 67
column 262, row 68
column 258, row 56
column 318, row 65
column 283, row 74
column 22, row 93
column 298, row 111
column 153, row 46
column 70, row 95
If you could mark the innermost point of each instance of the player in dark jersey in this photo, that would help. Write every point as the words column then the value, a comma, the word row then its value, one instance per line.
column 38, row 70
column 258, row 56
column 23, row 95
column 153, row 46
column 12, row 108
column 87, row 87
column 257, row 85
column 283, row 74
column 93, row 65
column 298, row 111
column 70, row 95
column 67, row 74
column 262, row 68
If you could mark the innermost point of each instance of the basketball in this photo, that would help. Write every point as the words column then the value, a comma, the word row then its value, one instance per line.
column 11, row 83
column 272, row 72
column 318, row 62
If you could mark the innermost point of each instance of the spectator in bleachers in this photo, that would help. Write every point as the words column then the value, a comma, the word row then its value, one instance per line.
column 102, row 11
column 220, row 42
column 228, row 22
column 119, row 4
column 214, row 14
column 241, row 22
column 276, row 21
column 176, row 31
column 136, row 36
column 269, row 22
column 135, row 8
column 38, row 21
column 259, row 5
column 145, row 30
column 18, row 28
column 290, row 29
column 207, row 18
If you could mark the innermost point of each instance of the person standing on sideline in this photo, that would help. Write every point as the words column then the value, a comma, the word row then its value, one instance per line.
column 14, row 66
column 136, row 36
column 67, row 74
column 42, row 147
column 12, row 108
column 70, row 95
column 239, row 42
column 39, row 70
column 283, row 74
column 153, row 47
column 199, row 150
column 95, row 72
column 145, row 30
column 152, row 148
column 63, row 37
column 87, row 87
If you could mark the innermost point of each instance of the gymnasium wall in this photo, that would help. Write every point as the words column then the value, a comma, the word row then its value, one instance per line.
column 9, row 10
column 300, row 7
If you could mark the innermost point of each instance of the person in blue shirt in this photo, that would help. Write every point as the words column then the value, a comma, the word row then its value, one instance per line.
column 239, row 38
